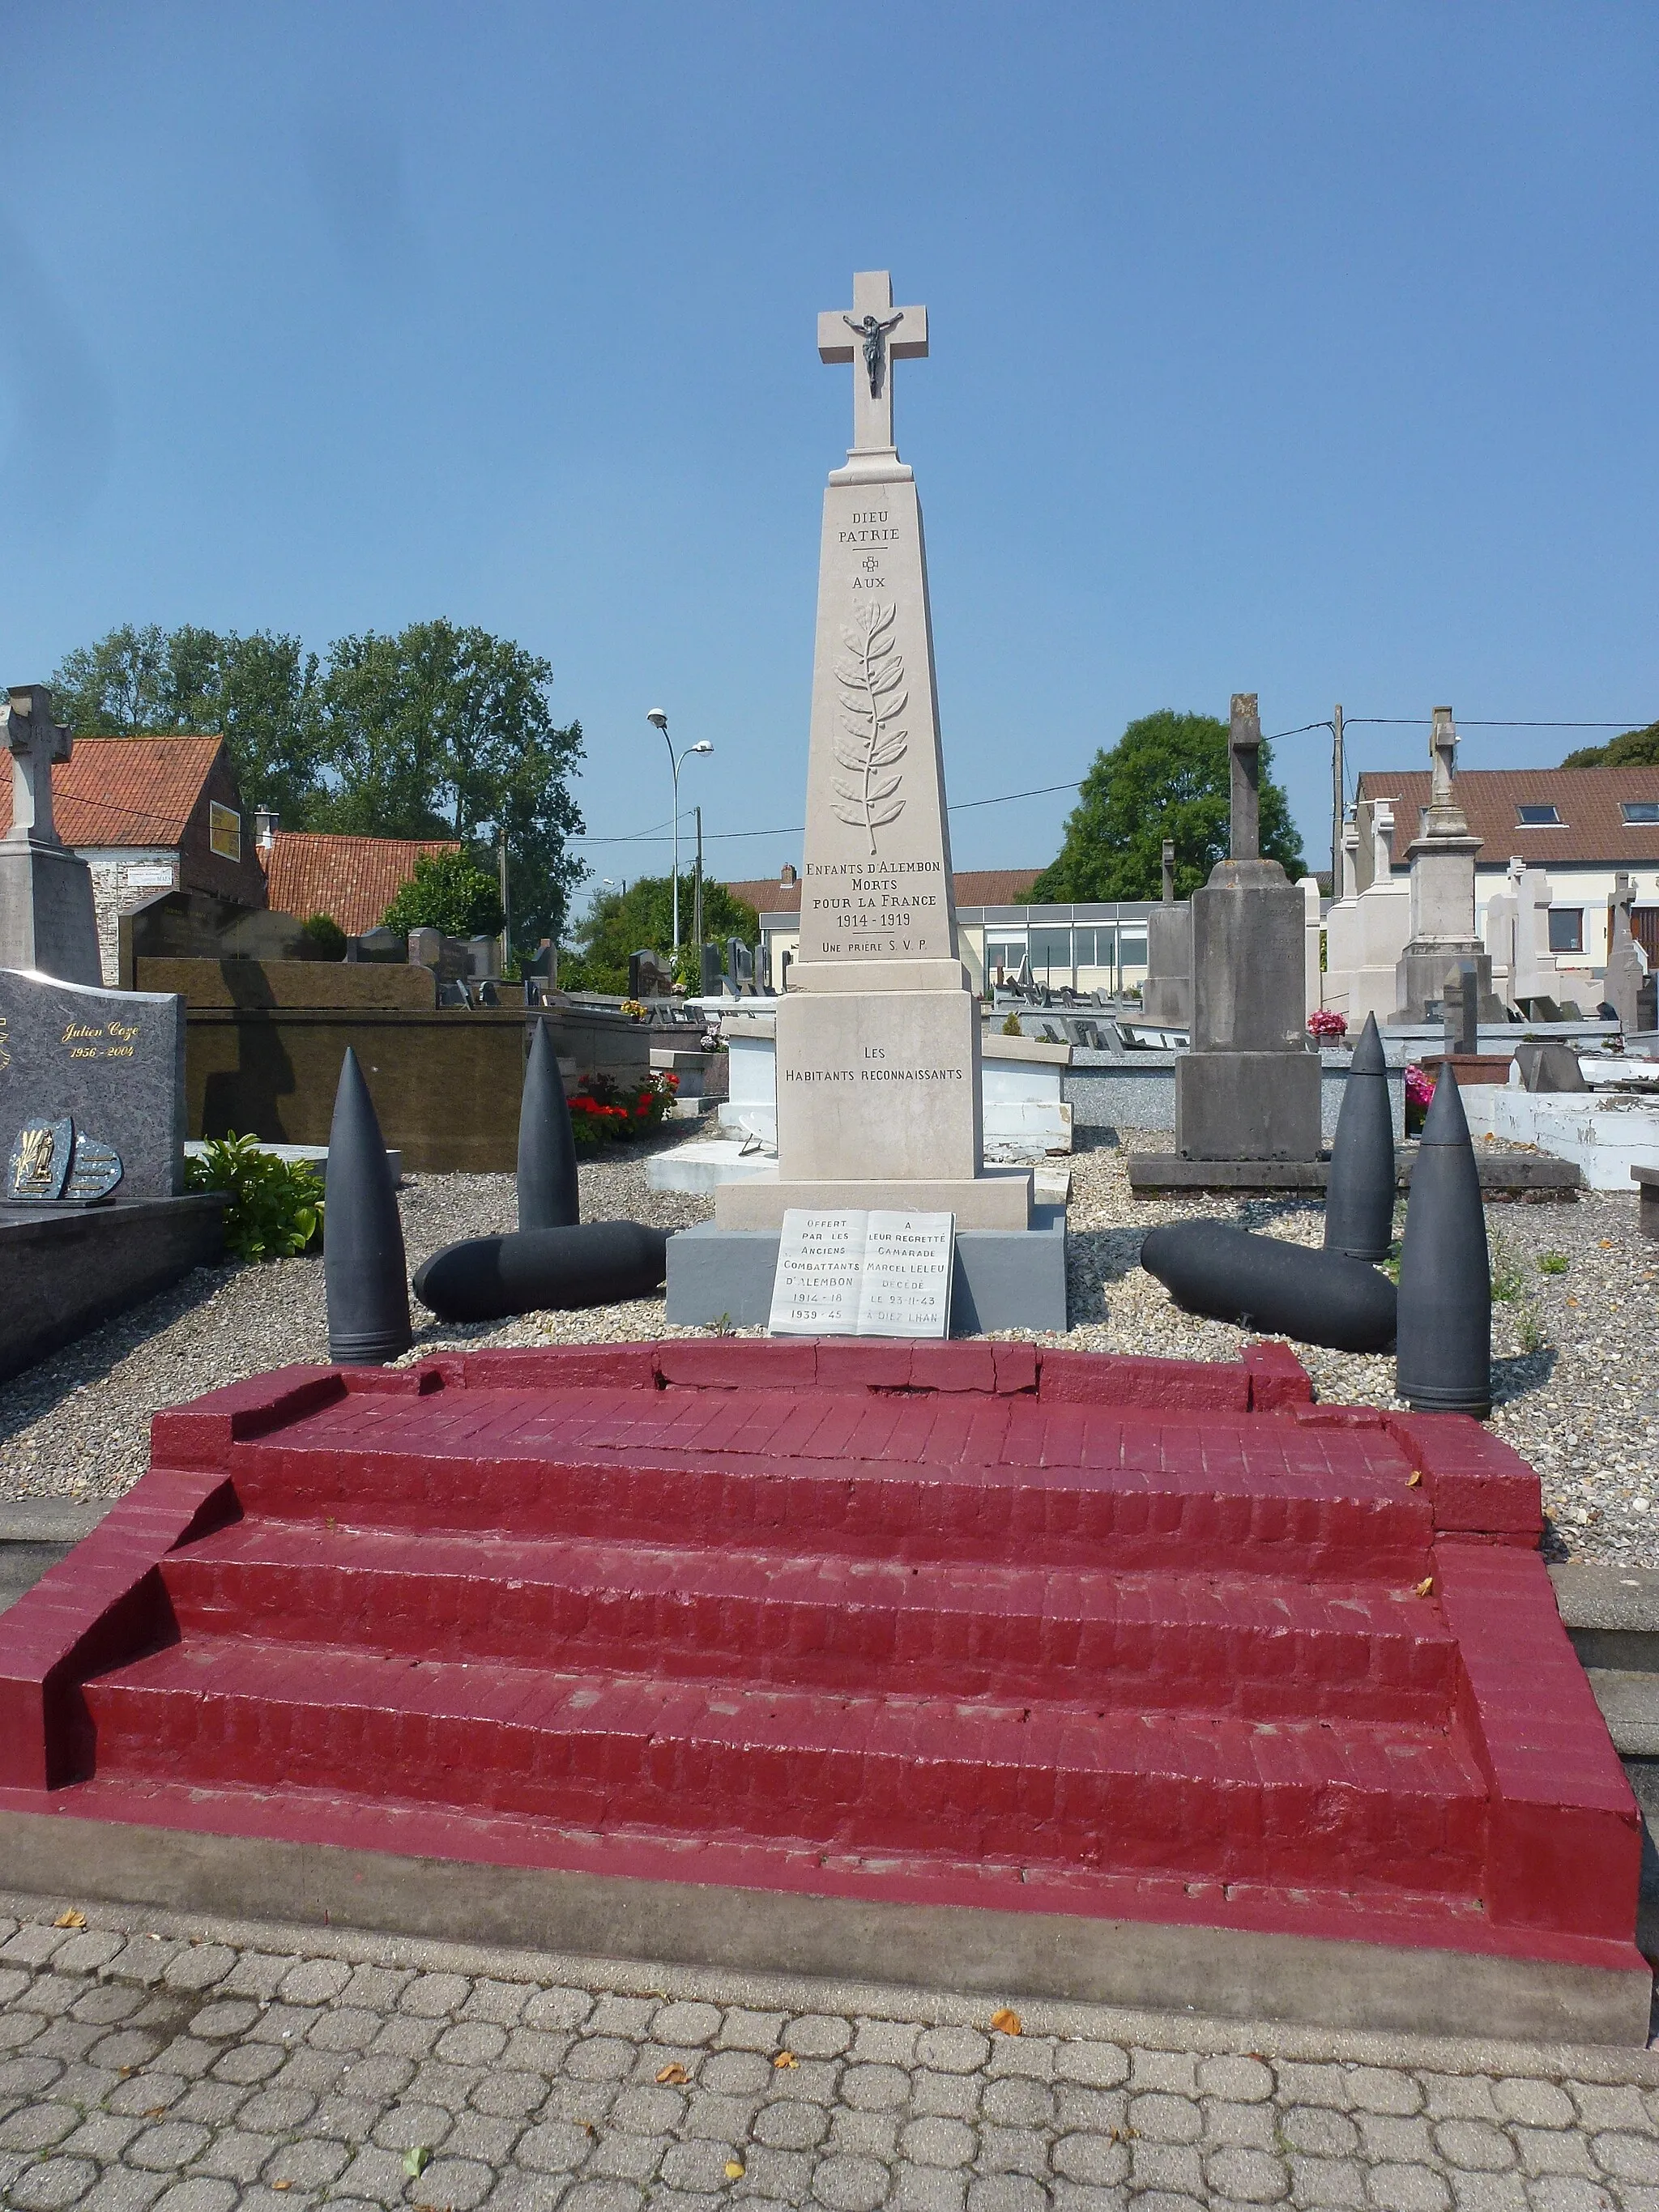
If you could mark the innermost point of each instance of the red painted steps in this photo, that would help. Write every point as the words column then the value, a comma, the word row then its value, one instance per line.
column 861, row 1619
column 1240, row 1643
column 1185, row 1793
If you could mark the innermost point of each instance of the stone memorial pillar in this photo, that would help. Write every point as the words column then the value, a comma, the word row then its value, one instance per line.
column 1441, row 897
column 1622, row 980
column 878, row 1032
column 47, row 921
column 1167, row 996
column 1249, row 1089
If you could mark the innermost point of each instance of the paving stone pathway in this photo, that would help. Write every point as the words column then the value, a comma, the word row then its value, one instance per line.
column 152, row 2064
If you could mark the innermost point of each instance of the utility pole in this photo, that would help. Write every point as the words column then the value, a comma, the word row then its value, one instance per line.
column 1337, row 809
column 697, row 898
column 507, row 917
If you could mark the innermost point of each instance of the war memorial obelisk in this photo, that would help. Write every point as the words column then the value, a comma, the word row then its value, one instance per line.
column 879, row 1033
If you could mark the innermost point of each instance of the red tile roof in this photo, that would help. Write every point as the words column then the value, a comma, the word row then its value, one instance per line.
column 974, row 887
column 353, row 878
column 1592, row 831
column 125, row 790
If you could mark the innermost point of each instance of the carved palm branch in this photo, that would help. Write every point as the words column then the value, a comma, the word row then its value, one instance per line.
column 870, row 673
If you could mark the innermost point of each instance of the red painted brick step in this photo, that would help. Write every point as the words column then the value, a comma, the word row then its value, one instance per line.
column 1236, row 1642
column 1067, row 1785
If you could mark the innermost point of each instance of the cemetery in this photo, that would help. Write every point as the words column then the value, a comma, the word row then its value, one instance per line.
column 1073, row 1495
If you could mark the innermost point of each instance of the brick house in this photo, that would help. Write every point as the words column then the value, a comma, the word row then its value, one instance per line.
column 1580, row 825
column 148, row 815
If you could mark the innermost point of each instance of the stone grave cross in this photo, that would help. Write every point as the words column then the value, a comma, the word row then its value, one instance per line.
column 1445, row 815
column 1168, row 890
column 35, row 742
column 1245, row 759
column 876, row 334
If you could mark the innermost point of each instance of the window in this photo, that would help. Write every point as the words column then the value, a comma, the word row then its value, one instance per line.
column 1538, row 818
column 1566, row 929
column 224, row 830
column 1003, row 951
column 1096, row 947
column 1132, row 946
column 1051, row 952
column 1637, row 810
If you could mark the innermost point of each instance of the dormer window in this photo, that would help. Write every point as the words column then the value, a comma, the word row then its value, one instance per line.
column 1539, row 817
column 1639, row 812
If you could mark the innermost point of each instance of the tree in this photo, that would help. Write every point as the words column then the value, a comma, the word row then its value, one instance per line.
column 642, row 920
column 1167, row 776
column 448, row 891
column 445, row 731
column 261, row 693
column 1636, row 749
column 438, row 731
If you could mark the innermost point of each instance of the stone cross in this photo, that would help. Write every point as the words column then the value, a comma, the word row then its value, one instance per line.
column 1169, row 871
column 1245, row 759
column 35, row 742
column 1445, row 815
column 874, row 336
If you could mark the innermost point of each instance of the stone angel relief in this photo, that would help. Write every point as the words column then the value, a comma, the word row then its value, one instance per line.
column 870, row 673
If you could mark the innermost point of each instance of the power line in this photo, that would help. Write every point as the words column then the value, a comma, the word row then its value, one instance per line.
column 798, row 828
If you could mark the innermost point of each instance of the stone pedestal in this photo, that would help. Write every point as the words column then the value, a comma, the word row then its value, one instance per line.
column 47, row 920
column 1249, row 1089
column 1167, row 995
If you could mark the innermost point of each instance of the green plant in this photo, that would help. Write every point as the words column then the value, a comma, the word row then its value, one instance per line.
column 1509, row 1282
column 1011, row 1026
column 322, row 931
column 449, row 892
column 1529, row 1330
column 602, row 1112
column 276, row 1206
column 1554, row 1263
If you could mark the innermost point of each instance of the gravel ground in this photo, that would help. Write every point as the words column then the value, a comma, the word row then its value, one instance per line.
column 1580, row 1404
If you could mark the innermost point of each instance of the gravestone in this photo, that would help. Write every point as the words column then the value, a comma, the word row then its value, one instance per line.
column 1622, row 983
column 1167, row 995
column 878, row 1033
column 112, row 1060
column 1441, row 894
column 1248, row 1088
column 47, row 921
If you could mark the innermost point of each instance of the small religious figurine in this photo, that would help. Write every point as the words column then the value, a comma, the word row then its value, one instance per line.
column 874, row 335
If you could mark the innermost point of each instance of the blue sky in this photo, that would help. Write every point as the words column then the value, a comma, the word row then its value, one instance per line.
column 1295, row 348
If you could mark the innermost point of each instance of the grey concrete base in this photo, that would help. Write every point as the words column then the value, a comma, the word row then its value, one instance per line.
column 1228, row 1973
column 1004, row 1279
column 1247, row 1105
column 1503, row 1175
column 47, row 919
column 63, row 1273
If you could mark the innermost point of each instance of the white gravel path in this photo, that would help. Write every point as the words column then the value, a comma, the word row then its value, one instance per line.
column 1582, row 1406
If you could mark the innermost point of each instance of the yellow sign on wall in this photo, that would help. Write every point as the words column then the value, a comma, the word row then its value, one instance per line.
column 225, row 831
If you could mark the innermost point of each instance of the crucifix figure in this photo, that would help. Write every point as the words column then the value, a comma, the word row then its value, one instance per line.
column 35, row 743
column 883, row 334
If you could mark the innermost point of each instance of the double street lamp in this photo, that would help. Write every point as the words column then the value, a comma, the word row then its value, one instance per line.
column 658, row 721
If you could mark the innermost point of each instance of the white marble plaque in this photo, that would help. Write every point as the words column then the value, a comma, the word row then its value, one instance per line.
column 908, row 1266
column 820, row 1274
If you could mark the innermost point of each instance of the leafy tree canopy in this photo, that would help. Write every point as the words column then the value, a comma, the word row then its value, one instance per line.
column 439, row 731
column 1167, row 776
column 448, row 891
column 640, row 920
column 1635, row 749
column 261, row 693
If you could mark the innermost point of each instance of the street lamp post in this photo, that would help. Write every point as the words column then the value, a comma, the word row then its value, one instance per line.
column 658, row 721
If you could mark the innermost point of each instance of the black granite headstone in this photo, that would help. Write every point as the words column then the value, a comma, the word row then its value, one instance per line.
column 114, row 1060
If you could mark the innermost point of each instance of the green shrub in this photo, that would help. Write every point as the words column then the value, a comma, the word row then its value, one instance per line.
column 1554, row 1263
column 1011, row 1026
column 323, row 932
column 276, row 1206
column 447, row 892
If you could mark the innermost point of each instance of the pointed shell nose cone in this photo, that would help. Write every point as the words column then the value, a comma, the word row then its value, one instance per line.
column 548, row 1196
column 363, row 1266
column 1369, row 1057
column 1445, row 1122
